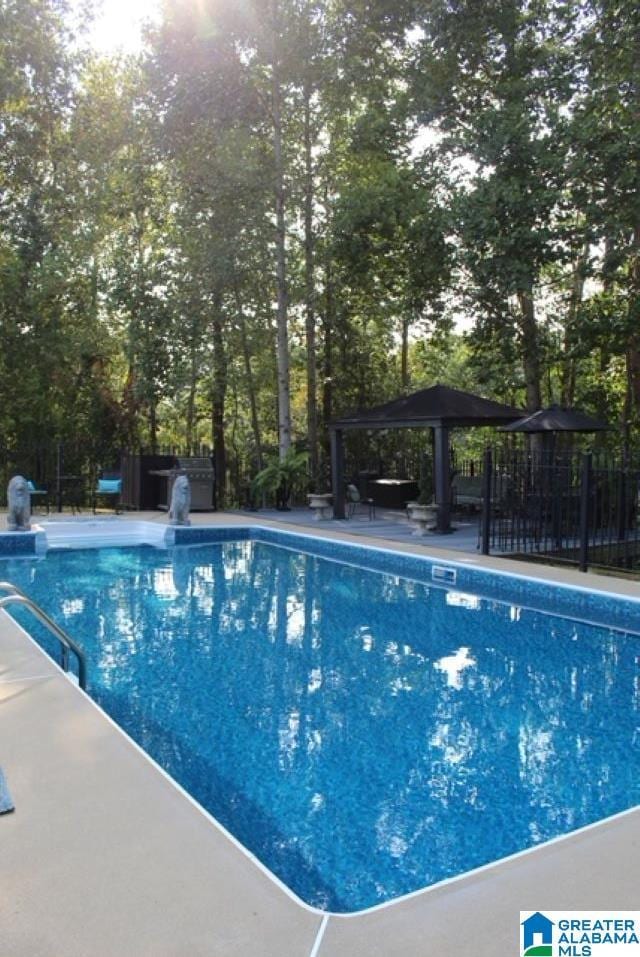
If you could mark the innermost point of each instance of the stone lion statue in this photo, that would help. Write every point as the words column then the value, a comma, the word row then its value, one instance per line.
column 180, row 501
column 19, row 505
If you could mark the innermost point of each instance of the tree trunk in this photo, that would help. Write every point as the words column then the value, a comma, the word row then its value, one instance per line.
column 404, row 356
column 633, row 344
column 310, row 320
column 153, row 426
column 282, row 332
column 253, row 405
column 633, row 361
column 530, row 350
column 327, row 353
column 190, row 424
column 93, row 289
column 569, row 364
column 218, row 394
column 136, row 322
column 129, row 408
column 604, row 356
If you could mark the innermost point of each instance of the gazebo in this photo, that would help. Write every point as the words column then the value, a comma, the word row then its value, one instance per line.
column 440, row 408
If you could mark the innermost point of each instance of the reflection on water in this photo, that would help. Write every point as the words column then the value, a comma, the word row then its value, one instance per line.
column 454, row 666
column 362, row 734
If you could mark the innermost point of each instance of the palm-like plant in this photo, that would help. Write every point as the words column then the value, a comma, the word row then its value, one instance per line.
column 280, row 477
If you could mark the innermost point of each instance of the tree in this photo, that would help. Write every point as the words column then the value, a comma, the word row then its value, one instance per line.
column 606, row 168
column 36, row 88
column 495, row 80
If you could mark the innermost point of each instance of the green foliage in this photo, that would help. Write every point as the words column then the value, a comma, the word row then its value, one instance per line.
column 425, row 482
column 139, row 242
column 281, row 477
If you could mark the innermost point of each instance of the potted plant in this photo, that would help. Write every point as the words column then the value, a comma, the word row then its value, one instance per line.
column 424, row 511
column 280, row 477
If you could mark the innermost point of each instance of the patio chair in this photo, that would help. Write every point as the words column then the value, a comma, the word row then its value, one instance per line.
column 467, row 492
column 354, row 499
column 38, row 493
column 109, row 488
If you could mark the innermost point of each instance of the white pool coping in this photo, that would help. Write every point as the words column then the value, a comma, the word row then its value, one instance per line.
column 627, row 822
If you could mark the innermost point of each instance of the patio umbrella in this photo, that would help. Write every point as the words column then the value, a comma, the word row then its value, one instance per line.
column 555, row 418
column 548, row 422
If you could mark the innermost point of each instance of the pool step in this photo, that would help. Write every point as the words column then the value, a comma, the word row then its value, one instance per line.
column 102, row 533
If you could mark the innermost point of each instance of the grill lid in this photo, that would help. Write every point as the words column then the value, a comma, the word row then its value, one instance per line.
column 194, row 463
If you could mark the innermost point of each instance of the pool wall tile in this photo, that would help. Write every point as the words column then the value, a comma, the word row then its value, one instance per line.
column 606, row 610
column 17, row 543
column 201, row 535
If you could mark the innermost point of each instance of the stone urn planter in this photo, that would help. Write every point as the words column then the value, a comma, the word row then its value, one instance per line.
column 321, row 505
column 424, row 517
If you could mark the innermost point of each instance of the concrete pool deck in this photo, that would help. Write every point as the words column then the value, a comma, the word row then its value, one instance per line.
column 106, row 857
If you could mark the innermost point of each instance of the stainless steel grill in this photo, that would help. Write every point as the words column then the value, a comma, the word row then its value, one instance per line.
column 200, row 473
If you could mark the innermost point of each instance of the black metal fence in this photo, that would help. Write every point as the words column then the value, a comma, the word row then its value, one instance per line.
column 575, row 508
column 64, row 471
column 67, row 472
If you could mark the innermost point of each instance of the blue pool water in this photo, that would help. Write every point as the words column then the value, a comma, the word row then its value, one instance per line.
column 364, row 735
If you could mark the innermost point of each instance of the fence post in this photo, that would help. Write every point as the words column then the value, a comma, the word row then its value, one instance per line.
column 622, row 501
column 59, row 460
column 585, row 495
column 487, row 475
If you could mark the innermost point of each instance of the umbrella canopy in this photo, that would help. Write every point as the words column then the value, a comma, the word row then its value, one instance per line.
column 557, row 419
column 439, row 405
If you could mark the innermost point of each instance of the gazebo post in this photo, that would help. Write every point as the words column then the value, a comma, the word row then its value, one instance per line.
column 442, row 478
column 337, row 472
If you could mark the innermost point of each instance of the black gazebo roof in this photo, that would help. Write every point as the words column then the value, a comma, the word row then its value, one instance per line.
column 557, row 419
column 439, row 405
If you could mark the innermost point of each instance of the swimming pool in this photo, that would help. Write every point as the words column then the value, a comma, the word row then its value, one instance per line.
column 364, row 733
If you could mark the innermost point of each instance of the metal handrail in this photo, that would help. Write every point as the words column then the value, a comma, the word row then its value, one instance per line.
column 18, row 597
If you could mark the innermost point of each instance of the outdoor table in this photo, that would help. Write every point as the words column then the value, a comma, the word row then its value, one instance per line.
column 69, row 481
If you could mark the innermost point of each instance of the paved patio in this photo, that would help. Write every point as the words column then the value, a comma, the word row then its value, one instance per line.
column 390, row 524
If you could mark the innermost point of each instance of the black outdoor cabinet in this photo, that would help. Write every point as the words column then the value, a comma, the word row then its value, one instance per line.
column 393, row 493
column 140, row 489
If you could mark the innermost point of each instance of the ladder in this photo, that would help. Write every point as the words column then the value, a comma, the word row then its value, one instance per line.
column 14, row 596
